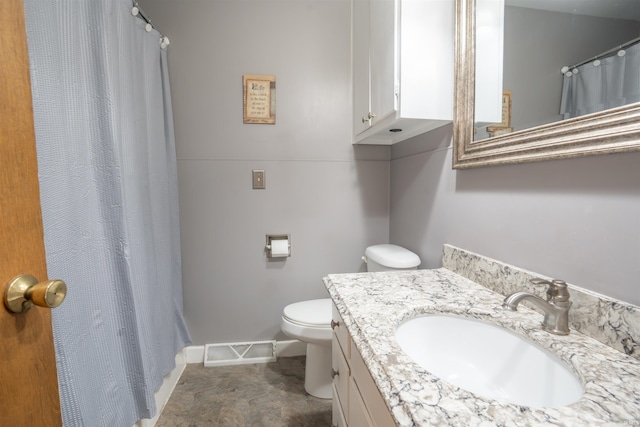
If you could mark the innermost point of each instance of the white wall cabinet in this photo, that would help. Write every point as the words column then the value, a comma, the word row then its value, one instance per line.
column 356, row 399
column 402, row 53
column 489, row 61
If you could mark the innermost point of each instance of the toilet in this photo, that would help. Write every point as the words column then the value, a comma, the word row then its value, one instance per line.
column 310, row 321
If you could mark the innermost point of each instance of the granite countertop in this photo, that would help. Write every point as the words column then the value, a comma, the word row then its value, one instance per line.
column 372, row 305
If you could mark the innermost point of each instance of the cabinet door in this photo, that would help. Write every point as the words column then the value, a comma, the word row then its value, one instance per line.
column 337, row 415
column 489, row 54
column 360, row 55
column 382, row 57
column 368, row 391
column 358, row 413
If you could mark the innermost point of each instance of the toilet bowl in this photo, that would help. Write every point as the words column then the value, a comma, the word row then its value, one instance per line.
column 310, row 321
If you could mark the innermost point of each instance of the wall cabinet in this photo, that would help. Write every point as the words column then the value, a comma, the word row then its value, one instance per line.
column 489, row 61
column 402, row 53
column 356, row 399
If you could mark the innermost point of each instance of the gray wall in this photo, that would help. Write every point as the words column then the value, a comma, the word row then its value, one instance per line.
column 576, row 219
column 330, row 196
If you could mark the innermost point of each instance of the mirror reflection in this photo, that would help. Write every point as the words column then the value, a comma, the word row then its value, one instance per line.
column 562, row 59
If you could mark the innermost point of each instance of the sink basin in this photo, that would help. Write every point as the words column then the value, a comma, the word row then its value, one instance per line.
column 488, row 360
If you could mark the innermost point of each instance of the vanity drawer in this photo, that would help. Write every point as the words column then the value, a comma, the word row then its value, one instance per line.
column 341, row 380
column 376, row 405
column 341, row 332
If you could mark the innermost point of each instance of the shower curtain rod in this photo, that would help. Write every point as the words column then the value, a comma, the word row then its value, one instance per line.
column 137, row 11
column 141, row 13
column 603, row 54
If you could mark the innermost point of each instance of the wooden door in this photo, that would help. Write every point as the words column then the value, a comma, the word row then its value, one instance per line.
column 28, row 379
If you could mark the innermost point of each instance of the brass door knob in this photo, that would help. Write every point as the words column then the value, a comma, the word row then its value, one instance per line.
column 23, row 291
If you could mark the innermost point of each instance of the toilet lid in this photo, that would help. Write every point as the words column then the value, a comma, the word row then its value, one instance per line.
column 315, row 313
column 392, row 256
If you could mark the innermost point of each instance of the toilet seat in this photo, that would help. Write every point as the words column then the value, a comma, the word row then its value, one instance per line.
column 308, row 321
column 313, row 313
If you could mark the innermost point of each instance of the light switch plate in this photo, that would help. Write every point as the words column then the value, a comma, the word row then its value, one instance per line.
column 258, row 179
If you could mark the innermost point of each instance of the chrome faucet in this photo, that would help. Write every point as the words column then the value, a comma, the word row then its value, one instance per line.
column 555, row 308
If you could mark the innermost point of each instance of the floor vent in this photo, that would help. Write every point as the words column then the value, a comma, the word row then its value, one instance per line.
column 239, row 353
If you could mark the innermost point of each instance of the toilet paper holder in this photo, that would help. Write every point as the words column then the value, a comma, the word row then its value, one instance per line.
column 271, row 242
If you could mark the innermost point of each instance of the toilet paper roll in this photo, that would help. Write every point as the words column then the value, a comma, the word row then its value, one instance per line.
column 279, row 248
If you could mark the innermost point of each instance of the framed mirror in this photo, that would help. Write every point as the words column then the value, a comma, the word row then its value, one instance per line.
column 530, row 129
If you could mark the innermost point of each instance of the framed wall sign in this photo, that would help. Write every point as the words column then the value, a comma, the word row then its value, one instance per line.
column 506, row 112
column 504, row 127
column 259, row 98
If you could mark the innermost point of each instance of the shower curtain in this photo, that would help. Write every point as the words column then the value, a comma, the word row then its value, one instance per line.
column 107, row 168
column 612, row 83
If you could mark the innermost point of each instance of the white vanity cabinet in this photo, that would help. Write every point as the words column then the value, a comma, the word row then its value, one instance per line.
column 356, row 399
column 402, row 52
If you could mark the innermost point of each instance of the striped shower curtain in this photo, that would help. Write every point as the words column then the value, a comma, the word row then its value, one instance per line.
column 106, row 157
column 600, row 85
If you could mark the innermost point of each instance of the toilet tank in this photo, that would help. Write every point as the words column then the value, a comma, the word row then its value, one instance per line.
column 388, row 257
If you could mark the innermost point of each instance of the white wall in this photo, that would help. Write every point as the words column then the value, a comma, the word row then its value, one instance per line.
column 578, row 219
column 330, row 196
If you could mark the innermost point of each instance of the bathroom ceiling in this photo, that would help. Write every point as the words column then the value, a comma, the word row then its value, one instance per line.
column 621, row 9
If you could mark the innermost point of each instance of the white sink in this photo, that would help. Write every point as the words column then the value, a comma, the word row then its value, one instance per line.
column 488, row 360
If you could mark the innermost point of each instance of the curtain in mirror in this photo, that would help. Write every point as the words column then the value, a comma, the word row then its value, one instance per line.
column 598, row 86
column 107, row 166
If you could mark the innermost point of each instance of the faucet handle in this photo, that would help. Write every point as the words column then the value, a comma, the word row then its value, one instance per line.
column 557, row 290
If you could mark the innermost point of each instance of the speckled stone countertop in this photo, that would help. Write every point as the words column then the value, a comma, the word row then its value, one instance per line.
column 372, row 305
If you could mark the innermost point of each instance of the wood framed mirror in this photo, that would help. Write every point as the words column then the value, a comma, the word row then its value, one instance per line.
column 613, row 130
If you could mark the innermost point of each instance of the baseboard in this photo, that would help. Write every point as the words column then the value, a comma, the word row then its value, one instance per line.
column 195, row 353
column 163, row 394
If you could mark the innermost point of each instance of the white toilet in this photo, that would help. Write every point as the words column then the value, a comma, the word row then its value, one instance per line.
column 310, row 321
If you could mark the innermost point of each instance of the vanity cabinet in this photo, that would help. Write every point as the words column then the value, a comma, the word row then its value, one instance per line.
column 356, row 399
column 402, row 53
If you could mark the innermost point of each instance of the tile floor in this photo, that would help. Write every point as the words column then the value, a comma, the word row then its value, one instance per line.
column 257, row 395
